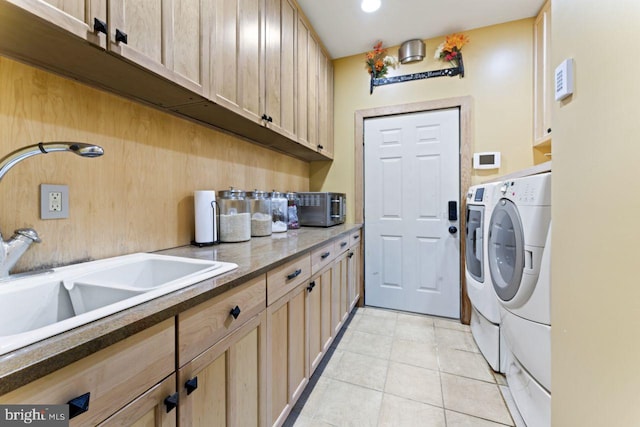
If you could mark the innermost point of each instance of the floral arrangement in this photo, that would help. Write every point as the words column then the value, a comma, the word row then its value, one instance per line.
column 451, row 47
column 378, row 62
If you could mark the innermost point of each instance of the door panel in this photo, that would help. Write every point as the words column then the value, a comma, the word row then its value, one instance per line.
column 411, row 173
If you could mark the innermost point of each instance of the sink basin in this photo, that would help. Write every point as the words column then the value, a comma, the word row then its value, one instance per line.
column 36, row 307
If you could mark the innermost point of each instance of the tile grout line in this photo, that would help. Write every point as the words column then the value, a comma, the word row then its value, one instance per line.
column 444, row 410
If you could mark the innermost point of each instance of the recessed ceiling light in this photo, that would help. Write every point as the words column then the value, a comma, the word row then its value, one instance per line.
column 370, row 5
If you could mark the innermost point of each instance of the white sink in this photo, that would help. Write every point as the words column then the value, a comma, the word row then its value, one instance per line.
column 36, row 307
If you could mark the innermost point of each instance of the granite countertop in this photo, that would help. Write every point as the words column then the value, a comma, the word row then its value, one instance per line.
column 254, row 257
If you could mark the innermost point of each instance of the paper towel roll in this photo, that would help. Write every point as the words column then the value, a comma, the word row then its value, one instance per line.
column 204, row 204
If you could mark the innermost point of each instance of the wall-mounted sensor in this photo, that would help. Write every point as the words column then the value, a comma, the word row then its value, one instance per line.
column 487, row 160
column 564, row 79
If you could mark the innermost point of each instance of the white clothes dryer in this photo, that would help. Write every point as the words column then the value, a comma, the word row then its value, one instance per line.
column 485, row 314
column 519, row 264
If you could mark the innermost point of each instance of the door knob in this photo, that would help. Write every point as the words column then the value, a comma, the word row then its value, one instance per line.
column 453, row 229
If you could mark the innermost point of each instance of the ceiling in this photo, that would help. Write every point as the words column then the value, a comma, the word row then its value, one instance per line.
column 346, row 30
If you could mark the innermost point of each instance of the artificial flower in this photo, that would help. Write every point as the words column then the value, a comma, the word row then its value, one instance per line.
column 378, row 62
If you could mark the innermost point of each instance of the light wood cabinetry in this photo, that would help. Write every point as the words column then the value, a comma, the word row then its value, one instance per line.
column 287, row 358
column 86, row 19
column 280, row 66
column 354, row 273
column 112, row 377
column 167, row 37
column 148, row 410
column 252, row 67
column 281, row 280
column 205, row 324
column 543, row 81
column 226, row 384
column 236, row 64
column 325, row 104
column 339, row 310
column 319, row 317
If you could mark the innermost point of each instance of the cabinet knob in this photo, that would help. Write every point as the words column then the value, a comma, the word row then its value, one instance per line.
column 171, row 402
column 270, row 119
column 99, row 26
column 311, row 286
column 343, row 244
column 265, row 117
column 78, row 405
column 121, row 36
column 549, row 130
column 235, row 312
column 294, row 274
column 320, row 147
column 191, row 385
column 325, row 255
column 350, row 254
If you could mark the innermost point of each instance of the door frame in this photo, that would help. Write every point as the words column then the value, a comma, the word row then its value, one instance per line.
column 464, row 103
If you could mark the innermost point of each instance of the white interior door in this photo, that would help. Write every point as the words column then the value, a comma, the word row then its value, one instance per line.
column 412, row 172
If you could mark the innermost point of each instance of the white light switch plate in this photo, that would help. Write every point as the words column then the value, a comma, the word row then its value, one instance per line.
column 54, row 201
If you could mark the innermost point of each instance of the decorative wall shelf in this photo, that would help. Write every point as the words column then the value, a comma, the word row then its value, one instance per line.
column 453, row 71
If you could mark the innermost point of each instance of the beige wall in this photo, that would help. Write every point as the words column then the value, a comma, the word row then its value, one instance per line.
column 139, row 195
column 499, row 68
column 595, row 297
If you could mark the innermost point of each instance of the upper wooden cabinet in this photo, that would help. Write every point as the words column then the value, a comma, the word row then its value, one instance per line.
column 280, row 67
column 86, row 19
column 543, row 82
column 236, row 62
column 252, row 67
column 167, row 37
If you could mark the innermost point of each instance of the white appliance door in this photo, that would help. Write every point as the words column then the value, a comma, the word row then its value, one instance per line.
column 412, row 260
column 506, row 249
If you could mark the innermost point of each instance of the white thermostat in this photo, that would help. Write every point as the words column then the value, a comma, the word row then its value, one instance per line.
column 564, row 79
column 487, row 160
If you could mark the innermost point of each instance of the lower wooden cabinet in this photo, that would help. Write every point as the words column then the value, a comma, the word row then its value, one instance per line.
column 155, row 408
column 354, row 276
column 286, row 353
column 319, row 317
column 226, row 385
column 339, row 309
column 113, row 377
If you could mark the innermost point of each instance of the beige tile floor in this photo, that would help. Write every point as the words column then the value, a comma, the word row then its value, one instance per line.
column 396, row 369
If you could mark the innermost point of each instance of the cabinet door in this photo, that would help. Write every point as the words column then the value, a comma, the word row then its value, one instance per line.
column 281, row 16
column 74, row 16
column 312, row 92
column 226, row 385
column 325, row 104
column 319, row 317
column 286, row 353
column 149, row 410
column 113, row 377
column 543, row 87
column 236, row 63
column 166, row 37
column 353, row 277
column 339, row 292
column 302, row 81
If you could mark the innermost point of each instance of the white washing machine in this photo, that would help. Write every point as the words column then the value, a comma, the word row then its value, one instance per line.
column 485, row 314
column 519, row 264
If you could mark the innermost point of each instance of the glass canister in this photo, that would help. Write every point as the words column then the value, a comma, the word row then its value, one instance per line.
column 235, row 216
column 279, row 216
column 292, row 211
column 260, row 205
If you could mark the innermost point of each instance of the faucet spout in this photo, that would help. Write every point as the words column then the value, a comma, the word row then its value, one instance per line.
column 15, row 247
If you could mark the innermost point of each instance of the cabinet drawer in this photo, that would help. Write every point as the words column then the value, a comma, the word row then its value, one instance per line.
column 321, row 257
column 113, row 376
column 342, row 244
column 205, row 324
column 282, row 279
column 354, row 239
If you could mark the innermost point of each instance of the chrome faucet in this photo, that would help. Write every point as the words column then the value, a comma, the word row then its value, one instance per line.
column 11, row 250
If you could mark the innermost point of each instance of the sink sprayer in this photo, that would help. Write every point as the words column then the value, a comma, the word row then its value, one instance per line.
column 14, row 248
